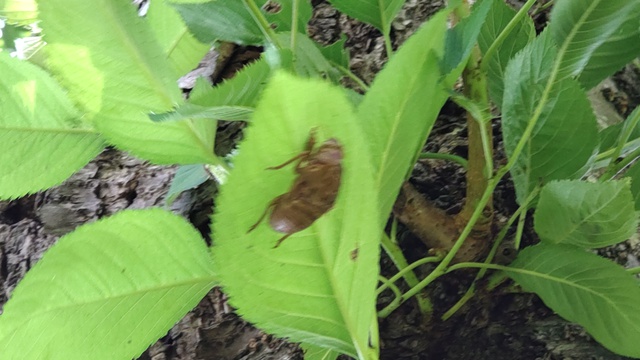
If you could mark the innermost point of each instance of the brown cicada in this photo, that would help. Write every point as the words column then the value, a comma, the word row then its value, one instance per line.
column 313, row 192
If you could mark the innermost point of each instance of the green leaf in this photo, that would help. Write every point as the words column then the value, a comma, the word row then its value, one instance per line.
column 599, row 34
column 379, row 13
column 231, row 100
column 308, row 60
column 398, row 111
column 108, row 290
column 42, row 139
column 241, row 90
column 634, row 174
column 312, row 288
column 619, row 49
column 223, row 20
column 584, row 288
column 190, row 111
column 180, row 47
column 312, row 352
column 499, row 16
column 335, row 53
column 187, row 177
column 282, row 19
column 117, row 73
column 22, row 12
column 589, row 215
column 565, row 137
column 463, row 37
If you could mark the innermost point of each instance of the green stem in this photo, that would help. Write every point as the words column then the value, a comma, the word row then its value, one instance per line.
column 294, row 24
column 543, row 7
column 492, row 253
column 387, row 43
column 352, row 76
column 503, row 35
column 630, row 125
column 454, row 158
column 626, row 161
column 396, row 291
column 634, row 270
column 519, row 230
column 405, row 270
column 475, row 265
column 262, row 22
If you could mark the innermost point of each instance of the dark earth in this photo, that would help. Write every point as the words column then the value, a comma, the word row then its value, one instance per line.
column 503, row 324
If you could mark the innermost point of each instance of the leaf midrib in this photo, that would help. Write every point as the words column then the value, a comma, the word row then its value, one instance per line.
column 147, row 72
column 563, row 281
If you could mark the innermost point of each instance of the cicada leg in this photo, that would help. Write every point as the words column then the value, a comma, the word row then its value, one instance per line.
column 311, row 142
column 273, row 203
column 281, row 240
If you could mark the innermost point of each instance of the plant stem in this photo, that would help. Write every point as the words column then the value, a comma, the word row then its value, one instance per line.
column 626, row 161
column 492, row 253
column 352, row 76
column 505, row 32
column 454, row 158
column 259, row 18
column 468, row 265
column 405, row 270
column 480, row 167
column 294, row 24
column 634, row 270
column 519, row 230
column 387, row 43
column 630, row 125
column 396, row 291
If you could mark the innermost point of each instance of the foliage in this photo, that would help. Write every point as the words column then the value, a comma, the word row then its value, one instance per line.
column 111, row 288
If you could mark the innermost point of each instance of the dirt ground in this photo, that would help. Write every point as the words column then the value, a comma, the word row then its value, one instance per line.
column 498, row 325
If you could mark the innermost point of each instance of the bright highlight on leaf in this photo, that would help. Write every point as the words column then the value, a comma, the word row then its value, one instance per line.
column 584, row 288
column 42, row 140
column 589, row 215
column 121, row 282
column 119, row 74
column 311, row 288
column 180, row 47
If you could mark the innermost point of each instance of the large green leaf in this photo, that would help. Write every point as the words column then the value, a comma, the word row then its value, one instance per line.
column 499, row 16
column 584, row 288
column 399, row 110
column 223, row 20
column 312, row 352
column 565, row 135
column 117, row 73
column 589, row 215
column 233, row 99
column 180, row 47
column 241, row 90
column 599, row 36
column 23, row 12
column 379, row 13
column 619, row 49
column 634, row 174
column 319, row 285
column 463, row 37
column 42, row 139
column 108, row 290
